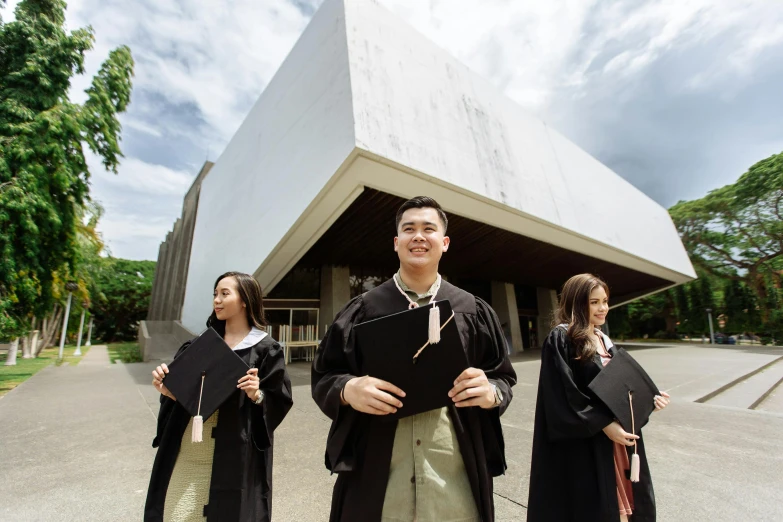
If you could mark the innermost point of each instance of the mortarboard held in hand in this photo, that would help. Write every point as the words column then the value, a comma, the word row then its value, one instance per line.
column 626, row 389
column 403, row 349
column 204, row 376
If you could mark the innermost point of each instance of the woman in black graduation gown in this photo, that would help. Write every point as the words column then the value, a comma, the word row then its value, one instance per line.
column 580, row 453
column 228, row 476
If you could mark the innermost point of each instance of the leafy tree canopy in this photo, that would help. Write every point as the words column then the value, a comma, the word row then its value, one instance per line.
column 44, row 179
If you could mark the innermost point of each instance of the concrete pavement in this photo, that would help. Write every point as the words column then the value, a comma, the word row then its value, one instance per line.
column 76, row 443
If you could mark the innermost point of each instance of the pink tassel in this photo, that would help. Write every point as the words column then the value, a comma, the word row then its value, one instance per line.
column 198, row 429
column 635, row 467
column 635, row 464
column 434, row 326
column 198, row 420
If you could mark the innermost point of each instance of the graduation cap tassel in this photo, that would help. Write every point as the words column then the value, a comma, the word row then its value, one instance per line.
column 198, row 421
column 434, row 326
column 635, row 463
column 416, row 356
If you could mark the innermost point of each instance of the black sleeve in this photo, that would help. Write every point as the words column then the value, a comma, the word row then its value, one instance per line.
column 278, row 399
column 569, row 412
column 167, row 405
column 496, row 365
column 334, row 365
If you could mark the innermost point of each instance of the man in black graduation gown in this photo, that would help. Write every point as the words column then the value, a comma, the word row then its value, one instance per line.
column 438, row 465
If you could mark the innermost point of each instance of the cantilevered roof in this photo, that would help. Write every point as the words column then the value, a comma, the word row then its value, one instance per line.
column 364, row 105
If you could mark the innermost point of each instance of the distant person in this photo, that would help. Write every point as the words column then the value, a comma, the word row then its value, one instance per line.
column 580, row 452
column 228, row 476
column 434, row 466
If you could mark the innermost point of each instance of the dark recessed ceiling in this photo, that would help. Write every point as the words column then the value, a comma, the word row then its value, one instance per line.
column 363, row 237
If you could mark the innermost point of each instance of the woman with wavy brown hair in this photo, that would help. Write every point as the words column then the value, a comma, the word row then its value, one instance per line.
column 579, row 470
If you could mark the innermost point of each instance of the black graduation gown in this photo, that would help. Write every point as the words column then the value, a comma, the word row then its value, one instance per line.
column 359, row 446
column 241, row 484
column 572, row 477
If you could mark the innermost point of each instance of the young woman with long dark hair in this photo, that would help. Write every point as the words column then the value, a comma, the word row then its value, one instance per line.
column 228, row 476
column 580, row 453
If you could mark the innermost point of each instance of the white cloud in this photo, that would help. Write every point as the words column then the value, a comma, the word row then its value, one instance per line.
column 533, row 49
column 200, row 65
column 141, row 202
column 138, row 177
column 141, row 126
column 216, row 58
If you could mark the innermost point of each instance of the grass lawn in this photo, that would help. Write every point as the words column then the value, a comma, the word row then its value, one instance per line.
column 124, row 352
column 13, row 376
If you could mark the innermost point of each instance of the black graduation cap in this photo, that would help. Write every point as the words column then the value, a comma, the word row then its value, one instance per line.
column 397, row 349
column 204, row 376
column 629, row 393
column 612, row 385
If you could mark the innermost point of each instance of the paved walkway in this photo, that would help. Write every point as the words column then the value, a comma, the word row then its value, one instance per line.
column 75, row 443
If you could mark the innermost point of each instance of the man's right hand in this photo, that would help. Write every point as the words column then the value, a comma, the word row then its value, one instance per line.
column 368, row 395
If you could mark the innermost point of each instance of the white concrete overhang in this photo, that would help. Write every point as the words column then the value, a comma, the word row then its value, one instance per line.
column 363, row 169
column 363, row 100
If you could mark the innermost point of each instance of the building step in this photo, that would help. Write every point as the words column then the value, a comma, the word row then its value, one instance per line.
column 751, row 390
column 161, row 347
column 772, row 401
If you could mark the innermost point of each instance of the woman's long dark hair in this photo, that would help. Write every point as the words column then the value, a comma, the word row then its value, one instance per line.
column 574, row 310
column 251, row 295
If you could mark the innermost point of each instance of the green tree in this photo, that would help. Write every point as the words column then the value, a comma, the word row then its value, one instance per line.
column 44, row 179
column 733, row 307
column 122, row 298
column 736, row 232
column 701, row 298
column 683, row 308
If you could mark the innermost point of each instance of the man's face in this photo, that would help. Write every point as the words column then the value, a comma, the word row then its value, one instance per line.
column 421, row 239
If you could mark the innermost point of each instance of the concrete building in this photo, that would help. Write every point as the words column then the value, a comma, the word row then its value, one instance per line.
column 364, row 113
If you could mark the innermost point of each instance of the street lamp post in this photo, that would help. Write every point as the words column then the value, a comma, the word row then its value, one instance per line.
column 89, row 332
column 81, row 330
column 70, row 286
column 709, row 318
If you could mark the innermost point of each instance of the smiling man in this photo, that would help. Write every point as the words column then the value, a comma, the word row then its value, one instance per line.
column 436, row 466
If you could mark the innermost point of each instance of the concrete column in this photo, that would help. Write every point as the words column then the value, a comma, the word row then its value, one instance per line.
column 335, row 293
column 177, row 284
column 163, row 313
column 547, row 304
column 504, row 301
column 189, row 219
column 156, row 284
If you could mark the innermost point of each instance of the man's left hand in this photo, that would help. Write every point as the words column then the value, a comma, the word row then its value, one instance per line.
column 473, row 389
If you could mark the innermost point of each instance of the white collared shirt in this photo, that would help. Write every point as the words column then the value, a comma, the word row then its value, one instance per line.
column 251, row 339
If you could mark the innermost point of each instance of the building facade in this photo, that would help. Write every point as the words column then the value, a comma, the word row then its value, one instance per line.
column 364, row 113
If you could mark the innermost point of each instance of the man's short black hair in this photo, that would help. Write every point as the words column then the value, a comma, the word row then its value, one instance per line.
column 421, row 202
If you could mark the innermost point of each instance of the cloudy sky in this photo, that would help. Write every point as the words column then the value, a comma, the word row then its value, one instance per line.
column 677, row 96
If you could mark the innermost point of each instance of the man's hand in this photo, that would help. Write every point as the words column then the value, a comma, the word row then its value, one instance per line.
column 368, row 395
column 473, row 389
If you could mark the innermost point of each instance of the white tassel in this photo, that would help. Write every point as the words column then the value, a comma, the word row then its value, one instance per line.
column 635, row 465
column 198, row 429
column 434, row 330
column 198, row 420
